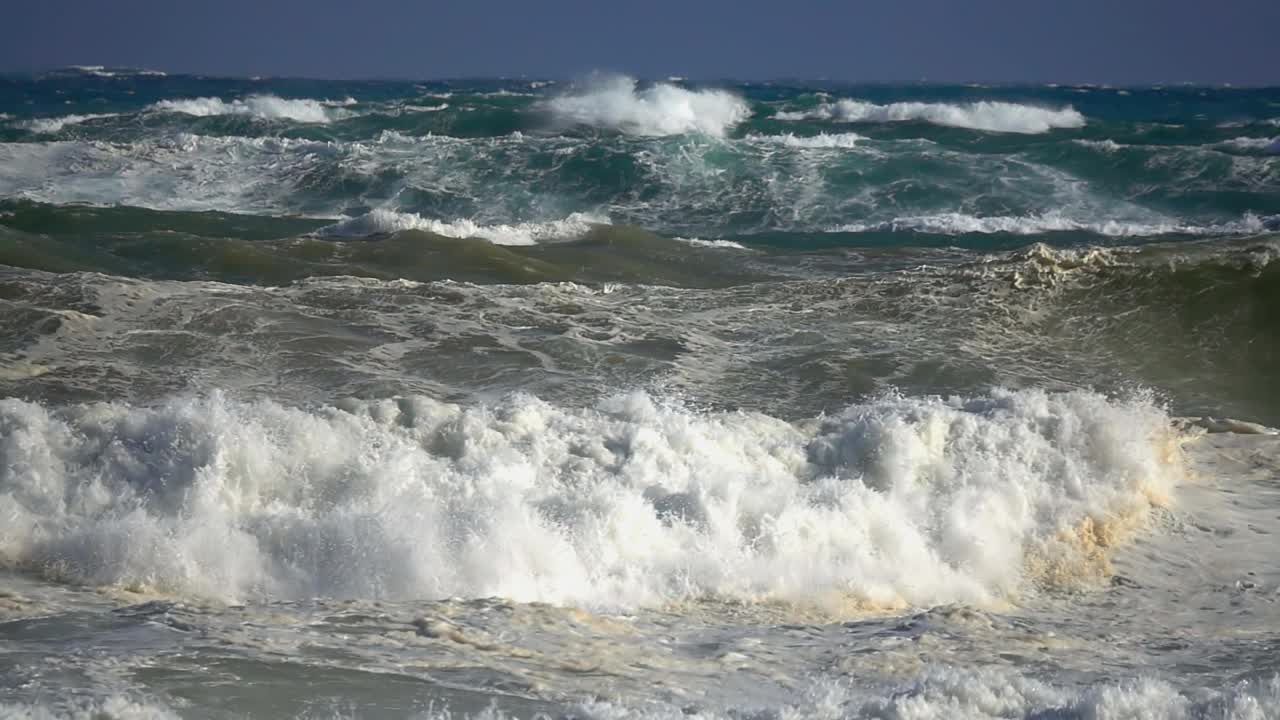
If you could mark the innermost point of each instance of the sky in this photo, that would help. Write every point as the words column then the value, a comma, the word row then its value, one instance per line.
column 1104, row 41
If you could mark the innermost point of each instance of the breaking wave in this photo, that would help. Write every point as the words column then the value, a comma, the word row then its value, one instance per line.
column 633, row 502
column 960, row 224
column 50, row 126
column 265, row 107
column 989, row 116
column 381, row 221
column 821, row 141
column 618, row 103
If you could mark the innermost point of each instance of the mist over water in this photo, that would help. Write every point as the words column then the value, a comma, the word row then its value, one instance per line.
column 614, row 398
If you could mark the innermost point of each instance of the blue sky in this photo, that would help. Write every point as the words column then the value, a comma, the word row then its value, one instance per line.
column 1116, row 41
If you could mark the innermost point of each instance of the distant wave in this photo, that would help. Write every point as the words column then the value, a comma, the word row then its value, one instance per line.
column 382, row 221
column 661, row 109
column 266, row 107
column 988, row 116
column 49, row 126
column 961, row 224
column 102, row 71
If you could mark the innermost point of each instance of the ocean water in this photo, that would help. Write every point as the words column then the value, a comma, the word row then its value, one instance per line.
column 633, row 400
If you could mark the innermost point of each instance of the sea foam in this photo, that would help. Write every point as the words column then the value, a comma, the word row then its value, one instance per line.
column 633, row 502
column 961, row 224
column 988, row 116
column 661, row 109
column 822, row 141
column 383, row 221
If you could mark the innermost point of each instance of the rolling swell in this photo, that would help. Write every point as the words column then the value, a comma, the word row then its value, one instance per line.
column 255, row 250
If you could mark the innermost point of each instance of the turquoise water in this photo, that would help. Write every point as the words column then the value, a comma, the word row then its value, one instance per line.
column 637, row 399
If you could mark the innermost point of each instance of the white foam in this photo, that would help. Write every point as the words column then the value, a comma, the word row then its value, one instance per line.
column 424, row 108
column 988, row 116
column 1107, row 146
column 114, row 707
column 959, row 693
column 1269, row 146
column 720, row 244
column 986, row 694
column 821, row 141
column 661, row 109
column 961, row 223
column 383, row 221
column 102, row 71
column 49, row 126
column 181, row 172
column 631, row 503
column 266, row 107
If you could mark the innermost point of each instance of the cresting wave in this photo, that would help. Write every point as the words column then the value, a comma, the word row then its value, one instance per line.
column 382, row 221
column 989, row 116
column 52, row 125
column 264, row 107
column 618, row 103
column 960, row 224
column 631, row 503
column 824, row 141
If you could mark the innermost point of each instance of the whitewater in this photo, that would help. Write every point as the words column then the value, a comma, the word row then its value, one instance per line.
column 618, row 398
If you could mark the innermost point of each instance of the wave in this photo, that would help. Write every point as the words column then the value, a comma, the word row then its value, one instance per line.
column 634, row 502
column 1267, row 146
column 821, row 141
column 988, row 116
column 50, row 126
column 690, row 186
column 953, row 690
column 383, row 221
column 1272, row 122
column 1108, row 145
column 721, row 244
column 424, row 108
column 265, row 107
column 961, row 224
column 105, row 72
column 617, row 103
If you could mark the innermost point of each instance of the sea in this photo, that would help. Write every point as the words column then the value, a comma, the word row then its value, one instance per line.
column 609, row 398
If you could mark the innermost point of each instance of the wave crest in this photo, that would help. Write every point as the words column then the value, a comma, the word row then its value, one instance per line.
column 987, row 115
column 264, row 107
column 383, row 221
column 820, row 141
column 53, row 125
column 617, row 103
column 962, row 224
